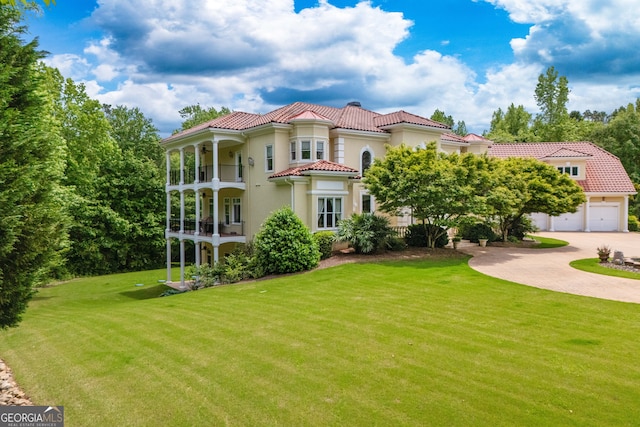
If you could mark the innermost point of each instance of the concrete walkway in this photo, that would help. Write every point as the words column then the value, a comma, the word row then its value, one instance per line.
column 549, row 268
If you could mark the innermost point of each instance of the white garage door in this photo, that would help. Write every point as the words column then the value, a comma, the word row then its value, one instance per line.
column 604, row 218
column 568, row 222
column 540, row 220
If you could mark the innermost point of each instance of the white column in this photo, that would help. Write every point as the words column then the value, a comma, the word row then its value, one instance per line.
column 216, row 205
column 168, row 160
column 625, row 215
column 197, row 249
column 551, row 223
column 168, row 260
column 181, row 166
column 182, row 285
column 197, row 165
column 587, row 214
column 181, row 211
column 197, row 230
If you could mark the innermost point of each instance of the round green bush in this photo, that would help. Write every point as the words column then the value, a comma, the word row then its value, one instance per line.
column 325, row 240
column 476, row 231
column 285, row 245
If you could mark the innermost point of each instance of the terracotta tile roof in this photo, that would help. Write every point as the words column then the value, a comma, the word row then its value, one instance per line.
column 565, row 152
column 475, row 137
column 320, row 165
column 309, row 115
column 452, row 137
column 404, row 117
column 604, row 174
column 349, row 117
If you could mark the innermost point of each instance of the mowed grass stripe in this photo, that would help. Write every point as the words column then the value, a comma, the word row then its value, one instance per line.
column 403, row 343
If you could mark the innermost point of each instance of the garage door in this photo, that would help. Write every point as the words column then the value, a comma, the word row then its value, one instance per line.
column 540, row 220
column 569, row 222
column 604, row 218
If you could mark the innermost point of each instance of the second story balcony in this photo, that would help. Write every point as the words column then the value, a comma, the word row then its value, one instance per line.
column 226, row 173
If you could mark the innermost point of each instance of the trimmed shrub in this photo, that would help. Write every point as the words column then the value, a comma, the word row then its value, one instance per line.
column 521, row 228
column 473, row 232
column 416, row 235
column 285, row 245
column 325, row 240
column 367, row 233
column 633, row 223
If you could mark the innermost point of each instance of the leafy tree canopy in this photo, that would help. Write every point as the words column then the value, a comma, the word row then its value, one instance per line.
column 439, row 188
column 194, row 115
column 521, row 186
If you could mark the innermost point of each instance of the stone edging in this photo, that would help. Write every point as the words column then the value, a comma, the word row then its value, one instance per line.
column 10, row 393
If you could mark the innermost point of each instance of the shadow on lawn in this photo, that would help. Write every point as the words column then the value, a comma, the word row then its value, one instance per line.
column 146, row 292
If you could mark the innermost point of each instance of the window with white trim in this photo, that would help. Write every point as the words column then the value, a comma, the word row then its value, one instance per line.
column 292, row 151
column 305, row 150
column 569, row 170
column 232, row 210
column 329, row 212
column 319, row 150
column 268, row 155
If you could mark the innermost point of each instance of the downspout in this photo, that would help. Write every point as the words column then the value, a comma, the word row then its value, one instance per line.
column 293, row 199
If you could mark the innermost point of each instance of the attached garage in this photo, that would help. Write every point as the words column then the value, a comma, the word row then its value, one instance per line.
column 604, row 218
column 569, row 221
column 540, row 220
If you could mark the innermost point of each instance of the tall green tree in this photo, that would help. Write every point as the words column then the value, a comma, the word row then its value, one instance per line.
column 133, row 186
column 521, row 186
column 440, row 189
column 31, row 166
column 193, row 115
column 512, row 125
column 553, row 123
column 441, row 117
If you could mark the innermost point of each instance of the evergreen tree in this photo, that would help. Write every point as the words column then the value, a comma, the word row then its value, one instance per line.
column 31, row 165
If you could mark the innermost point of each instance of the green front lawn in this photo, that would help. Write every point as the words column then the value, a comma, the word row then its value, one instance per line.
column 592, row 265
column 548, row 242
column 412, row 343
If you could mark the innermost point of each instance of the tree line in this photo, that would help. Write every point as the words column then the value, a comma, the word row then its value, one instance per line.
column 81, row 183
column 617, row 132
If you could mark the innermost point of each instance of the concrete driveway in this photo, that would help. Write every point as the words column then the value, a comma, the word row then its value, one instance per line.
column 549, row 268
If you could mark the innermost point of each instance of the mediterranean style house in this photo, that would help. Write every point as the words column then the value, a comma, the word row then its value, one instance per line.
column 225, row 176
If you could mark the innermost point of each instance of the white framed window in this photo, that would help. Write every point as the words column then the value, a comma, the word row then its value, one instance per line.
column 569, row 170
column 293, row 151
column 329, row 212
column 268, row 156
column 232, row 210
column 305, row 150
column 319, row 150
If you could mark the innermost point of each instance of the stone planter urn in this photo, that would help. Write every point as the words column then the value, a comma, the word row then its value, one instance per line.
column 483, row 242
column 603, row 253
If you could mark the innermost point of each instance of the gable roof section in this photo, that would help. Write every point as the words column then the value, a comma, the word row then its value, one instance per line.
column 404, row 117
column 350, row 117
column 604, row 174
column 563, row 153
column 319, row 166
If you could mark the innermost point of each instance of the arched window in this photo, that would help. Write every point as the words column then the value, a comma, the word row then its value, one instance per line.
column 365, row 161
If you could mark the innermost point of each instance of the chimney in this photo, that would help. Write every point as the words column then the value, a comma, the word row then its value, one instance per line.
column 354, row 104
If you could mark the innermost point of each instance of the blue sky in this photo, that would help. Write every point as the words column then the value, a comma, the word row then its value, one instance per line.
column 465, row 57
